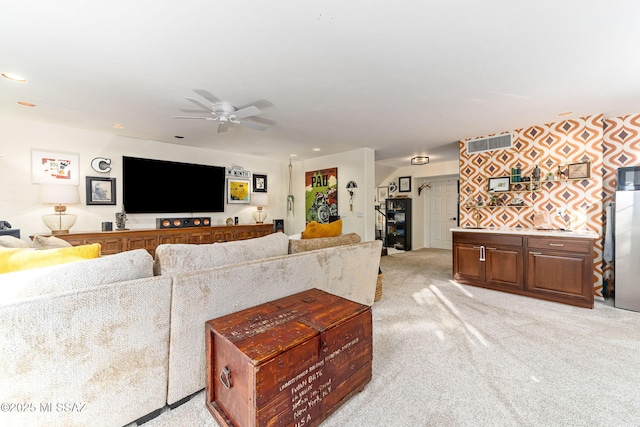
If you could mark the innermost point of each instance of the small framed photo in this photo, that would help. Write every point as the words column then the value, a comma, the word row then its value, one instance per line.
column 383, row 194
column 579, row 170
column 404, row 184
column 498, row 184
column 101, row 191
column 238, row 190
column 259, row 183
column 59, row 168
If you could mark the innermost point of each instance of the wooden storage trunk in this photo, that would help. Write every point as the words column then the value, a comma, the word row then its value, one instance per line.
column 289, row 362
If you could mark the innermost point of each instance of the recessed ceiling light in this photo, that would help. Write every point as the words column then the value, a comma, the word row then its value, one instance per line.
column 14, row 77
column 117, row 126
column 316, row 149
column 27, row 104
column 565, row 113
column 293, row 155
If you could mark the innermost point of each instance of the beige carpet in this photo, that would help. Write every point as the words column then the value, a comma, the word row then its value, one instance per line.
column 452, row 355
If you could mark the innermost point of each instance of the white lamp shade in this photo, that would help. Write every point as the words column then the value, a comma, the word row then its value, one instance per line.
column 259, row 199
column 59, row 194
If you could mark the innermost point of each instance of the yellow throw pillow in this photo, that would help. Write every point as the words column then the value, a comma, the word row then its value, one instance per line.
column 24, row 259
column 315, row 229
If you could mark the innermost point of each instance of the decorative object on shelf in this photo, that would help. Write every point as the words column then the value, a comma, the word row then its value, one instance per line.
column 495, row 201
column 60, row 195
column 393, row 187
column 420, row 160
column 259, row 183
column 535, row 175
column 498, row 184
column 238, row 190
column 237, row 172
column 560, row 173
column 290, row 199
column 516, row 175
column 101, row 164
column 516, row 201
column 259, row 200
column 351, row 186
column 404, row 184
column 50, row 168
column 229, row 221
column 549, row 176
column 579, row 170
column 101, row 191
column 383, row 194
column 121, row 219
column 321, row 196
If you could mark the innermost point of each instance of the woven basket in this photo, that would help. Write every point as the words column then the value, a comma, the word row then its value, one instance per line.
column 378, row 288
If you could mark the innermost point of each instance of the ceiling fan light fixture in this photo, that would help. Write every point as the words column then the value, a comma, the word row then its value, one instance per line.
column 420, row 160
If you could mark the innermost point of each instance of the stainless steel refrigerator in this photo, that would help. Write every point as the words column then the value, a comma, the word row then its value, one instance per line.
column 627, row 250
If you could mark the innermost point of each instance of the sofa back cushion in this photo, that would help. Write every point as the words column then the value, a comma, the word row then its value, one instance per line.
column 121, row 267
column 304, row 245
column 172, row 259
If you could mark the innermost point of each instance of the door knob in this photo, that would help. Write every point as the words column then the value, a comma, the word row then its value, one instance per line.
column 453, row 219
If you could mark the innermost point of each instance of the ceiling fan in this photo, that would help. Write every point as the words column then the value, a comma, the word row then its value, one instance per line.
column 225, row 113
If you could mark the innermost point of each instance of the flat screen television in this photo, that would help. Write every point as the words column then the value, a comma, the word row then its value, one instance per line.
column 160, row 186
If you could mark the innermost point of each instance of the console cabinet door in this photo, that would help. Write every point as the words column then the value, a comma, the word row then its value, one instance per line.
column 467, row 265
column 504, row 267
column 562, row 275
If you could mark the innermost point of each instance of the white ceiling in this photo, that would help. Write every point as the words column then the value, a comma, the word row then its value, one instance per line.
column 402, row 77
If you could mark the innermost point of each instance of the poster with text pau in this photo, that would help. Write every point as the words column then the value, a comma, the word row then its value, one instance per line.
column 321, row 195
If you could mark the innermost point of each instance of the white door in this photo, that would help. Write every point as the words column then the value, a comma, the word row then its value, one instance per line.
column 443, row 212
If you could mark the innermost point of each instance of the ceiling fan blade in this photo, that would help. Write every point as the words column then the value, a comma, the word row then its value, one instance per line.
column 252, row 125
column 199, row 104
column 222, row 127
column 245, row 112
column 207, row 95
column 193, row 117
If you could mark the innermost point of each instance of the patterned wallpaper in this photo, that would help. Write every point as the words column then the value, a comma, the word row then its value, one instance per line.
column 606, row 143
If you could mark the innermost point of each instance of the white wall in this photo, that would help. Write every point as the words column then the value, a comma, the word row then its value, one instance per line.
column 356, row 165
column 19, row 196
column 420, row 175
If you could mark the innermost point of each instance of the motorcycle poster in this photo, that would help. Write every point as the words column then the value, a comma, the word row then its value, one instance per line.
column 321, row 195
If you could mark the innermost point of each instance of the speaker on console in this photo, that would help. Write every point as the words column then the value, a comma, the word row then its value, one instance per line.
column 183, row 222
column 278, row 225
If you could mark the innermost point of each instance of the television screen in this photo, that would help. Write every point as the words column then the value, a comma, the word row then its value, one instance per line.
column 159, row 186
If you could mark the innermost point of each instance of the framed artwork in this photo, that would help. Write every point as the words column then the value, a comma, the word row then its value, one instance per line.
column 321, row 195
column 404, row 184
column 498, row 184
column 101, row 191
column 238, row 190
column 259, row 183
column 579, row 170
column 383, row 194
column 59, row 168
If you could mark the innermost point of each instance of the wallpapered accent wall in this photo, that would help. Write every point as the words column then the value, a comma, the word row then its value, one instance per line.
column 607, row 144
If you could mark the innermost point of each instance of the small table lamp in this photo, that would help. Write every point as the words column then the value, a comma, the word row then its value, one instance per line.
column 59, row 194
column 259, row 200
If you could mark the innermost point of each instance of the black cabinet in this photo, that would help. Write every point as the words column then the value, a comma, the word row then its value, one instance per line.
column 398, row 223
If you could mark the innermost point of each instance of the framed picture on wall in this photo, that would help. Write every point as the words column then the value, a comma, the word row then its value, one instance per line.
column 579, row 170
column 383, row 194
column 238, row 190
column 498, row 184
column 259, row 183
column 59, row 168
column 101, row 191
column 404, row 184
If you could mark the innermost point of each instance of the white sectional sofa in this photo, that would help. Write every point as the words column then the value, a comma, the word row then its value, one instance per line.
column 104, row 342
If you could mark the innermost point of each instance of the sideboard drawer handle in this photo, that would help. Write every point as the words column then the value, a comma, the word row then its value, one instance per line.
column 225, row 378
column 535, row 253
column 556, row 244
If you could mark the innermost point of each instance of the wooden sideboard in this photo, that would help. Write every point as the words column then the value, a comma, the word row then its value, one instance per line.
column 556, row 268
column 113, row 242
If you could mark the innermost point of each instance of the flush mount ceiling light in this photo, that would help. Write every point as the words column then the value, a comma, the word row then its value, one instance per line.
column 420, row 160
column 14, row 77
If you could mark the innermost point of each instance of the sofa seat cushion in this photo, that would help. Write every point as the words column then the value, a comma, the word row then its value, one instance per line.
column 16, row 259
column 315, row 229
column 121, row 267
column 304, row 245
column 172, row 259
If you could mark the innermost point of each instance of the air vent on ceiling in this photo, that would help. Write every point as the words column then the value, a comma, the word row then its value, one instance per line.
column 489, row 143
